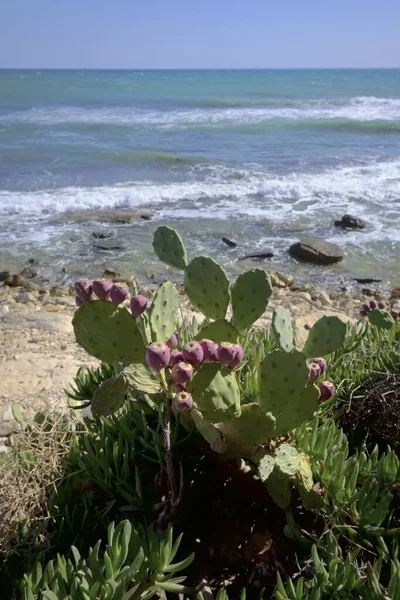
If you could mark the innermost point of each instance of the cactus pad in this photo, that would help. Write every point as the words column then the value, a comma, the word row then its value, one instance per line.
column 287, row 460
column 168, row 246
column 265, row 467
column 108, row 332
column 305, row 484
column 163, row 311
column 283, row 389
column 381, row 319
column 282, row 328
column 278, row 488
column 327, row 335
column 250, row 429
column 110, row 396
column 207, row 287
column 215, row 392
column 143, row 379
column 250, row 295
column 219, row 331
column 210, row 432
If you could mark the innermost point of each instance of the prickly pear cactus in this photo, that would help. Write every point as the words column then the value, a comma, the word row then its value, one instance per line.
column 282, row 328
column 265, row 467
column 246, row 432
column 284, row 390
column 327, row 335
column 143, row 379
column 212, row 434
column 305, row 484
column 163, row 311
column 381, row 319
column 278, row 488
column 219, row 331
column 108, row 332
column 287, row 460
column 207, row 287
column 110, row 396
column 215, row 392
column 249, row 296
column 169, row 248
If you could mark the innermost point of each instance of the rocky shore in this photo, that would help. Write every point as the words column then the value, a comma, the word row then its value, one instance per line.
column 39, row 356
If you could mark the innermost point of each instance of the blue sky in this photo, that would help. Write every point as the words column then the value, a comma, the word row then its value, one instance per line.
column 199, row 34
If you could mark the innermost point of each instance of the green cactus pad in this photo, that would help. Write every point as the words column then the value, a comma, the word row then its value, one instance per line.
column 278, row 488
column 305, row 484
column 381, row 319
column 143, row 378
column 110, row 396
column 250, row 295
column 108, row 332
column 210, row 432
column 163, row 311
column 168, row 246
column 207, row 287
column 327, row 335
column 283, row 389
column 282, row 328
column 287, row 459
column 250, row 429
column 219, row 331
column 215, row 392
column 265, row 467
column 18, row 413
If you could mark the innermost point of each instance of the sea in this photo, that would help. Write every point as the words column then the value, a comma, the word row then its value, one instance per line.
column 261, row 157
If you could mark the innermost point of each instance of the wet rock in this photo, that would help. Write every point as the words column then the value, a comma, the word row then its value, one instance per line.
column 14, row 281
column 29, row 272
column 4, row 275
column 146, row 216
column 57, row 291
column 33, row 261
column 229, row 242
column 367, row 280
column 108, row 273
column 106, row 216
column 395, row 293
column 108, row 246
column 103, row 235
column 317, row 251
column 350, row 222
column 259, row 255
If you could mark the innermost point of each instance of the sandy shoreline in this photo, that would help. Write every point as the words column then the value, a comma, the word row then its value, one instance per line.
column 39, row 356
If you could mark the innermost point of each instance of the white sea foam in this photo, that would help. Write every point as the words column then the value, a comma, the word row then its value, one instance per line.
column 360, row 108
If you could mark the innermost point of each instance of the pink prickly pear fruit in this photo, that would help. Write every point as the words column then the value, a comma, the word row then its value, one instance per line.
column 366, row 307
column 364, row 313
column 158, row 355
column 173, row 341
column 238, row 357
column 315, row 372
column 382, row 305
column 78, row 301
column 326, row 389
column 118, row 294
column 372, row 304
column 227, row 353
column 101, row 288
column 321, row 362
column 181, row 372
column 83, row 289
column 210, row 350
column 176, row 357
column 138, row 305
column 193, row 353
column 183, row 402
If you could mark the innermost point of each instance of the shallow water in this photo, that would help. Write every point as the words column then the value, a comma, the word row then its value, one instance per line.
column 261, row 157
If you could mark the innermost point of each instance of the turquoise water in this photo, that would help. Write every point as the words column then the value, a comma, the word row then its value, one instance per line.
column 262, row 157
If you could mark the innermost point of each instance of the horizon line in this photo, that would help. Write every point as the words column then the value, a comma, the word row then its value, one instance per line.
column 200, row 68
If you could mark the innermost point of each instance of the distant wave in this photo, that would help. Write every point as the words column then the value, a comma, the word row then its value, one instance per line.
column 358, row 109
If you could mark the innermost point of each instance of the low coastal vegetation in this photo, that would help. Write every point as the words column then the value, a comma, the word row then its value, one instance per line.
column 210, row 458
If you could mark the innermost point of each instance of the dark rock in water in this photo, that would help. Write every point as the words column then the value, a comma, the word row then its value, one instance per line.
column 367, row 280
column 29, row 272
column 4, row 275
column 14, row 281
column 146, row 216
column 103, row 235
column 108, row 247
column 266, row 253
column 350, row 222
column 33, row 261
column 123, row 217
column 317, row 251
column 110, row 273
column 229, row 242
